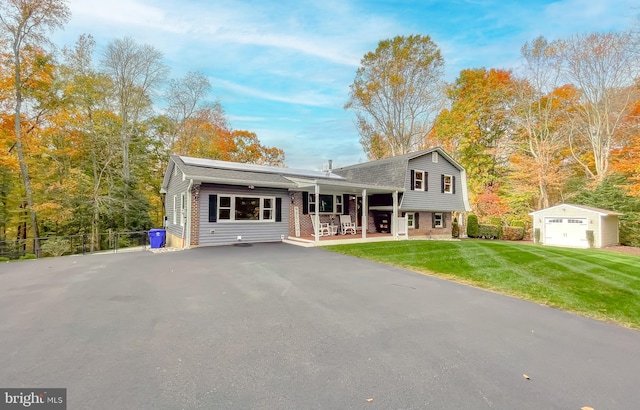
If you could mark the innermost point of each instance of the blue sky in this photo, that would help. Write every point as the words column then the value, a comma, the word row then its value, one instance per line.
column 282, row 69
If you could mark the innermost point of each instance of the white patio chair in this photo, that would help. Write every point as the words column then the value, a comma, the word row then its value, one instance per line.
column 346, row 225
column 322, row 230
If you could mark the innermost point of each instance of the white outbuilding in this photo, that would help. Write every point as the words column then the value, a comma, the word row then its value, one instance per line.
column 572, row 225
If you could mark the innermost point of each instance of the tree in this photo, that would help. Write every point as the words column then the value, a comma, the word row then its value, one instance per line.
column 185, row 97
column 396, row 94
column 24, row 24
column 476, row 126
column 136, row 72
column 604, row 68
column 612, row 195
column 247, row 148
column 540, row 113
column 86, row 117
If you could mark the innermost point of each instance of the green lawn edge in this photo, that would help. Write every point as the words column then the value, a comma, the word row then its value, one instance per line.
column 596, row 283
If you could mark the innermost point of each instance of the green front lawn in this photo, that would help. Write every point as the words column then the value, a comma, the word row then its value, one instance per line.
column 595, row 283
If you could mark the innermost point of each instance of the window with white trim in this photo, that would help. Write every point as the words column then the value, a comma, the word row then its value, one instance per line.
column 448, row 184
column 224, row 208
column 329, row 204
column 411, row 217
column 246, row 208
column 418, row 180
column 438, row 221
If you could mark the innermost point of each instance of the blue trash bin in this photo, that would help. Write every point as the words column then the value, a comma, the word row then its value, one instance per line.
column 156, row 238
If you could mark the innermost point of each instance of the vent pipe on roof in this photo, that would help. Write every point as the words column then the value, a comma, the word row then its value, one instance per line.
column 330, row 164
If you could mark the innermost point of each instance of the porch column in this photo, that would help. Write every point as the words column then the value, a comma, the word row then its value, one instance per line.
column 316, row 216
column 365, row 214
column 394, row 215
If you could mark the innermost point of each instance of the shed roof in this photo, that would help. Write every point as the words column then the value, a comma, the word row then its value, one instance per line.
column 602, row 212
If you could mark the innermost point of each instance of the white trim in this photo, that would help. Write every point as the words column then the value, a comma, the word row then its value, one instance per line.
column 415, row 179
column 433, row 222
column 576, row 207
column 175, row 211
column 434, row 157
column 183, row 208
column 232, row 208
column 450, row 191
column 312, row 201
column 413, row 220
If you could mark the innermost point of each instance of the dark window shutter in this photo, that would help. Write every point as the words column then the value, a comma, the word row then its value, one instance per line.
column 426, row 181
column 416, row 225
column 213, row 203
column 433, row 219
column 278, row 209
column 305, row 203
column 453, row 184
column 442, row 179
column 444, row 220
column 413, row 180
column 345, row 204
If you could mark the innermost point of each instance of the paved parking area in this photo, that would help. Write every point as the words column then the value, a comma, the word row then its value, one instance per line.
column 275, row 326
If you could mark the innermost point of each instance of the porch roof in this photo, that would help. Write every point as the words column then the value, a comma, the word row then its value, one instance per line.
column 343, row 186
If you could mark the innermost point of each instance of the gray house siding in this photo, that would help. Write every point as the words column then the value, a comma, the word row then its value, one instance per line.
column 226, row 232
column 176, row 187
column 433, row 199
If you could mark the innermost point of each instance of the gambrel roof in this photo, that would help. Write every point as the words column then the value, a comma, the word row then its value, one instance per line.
column 388, row 171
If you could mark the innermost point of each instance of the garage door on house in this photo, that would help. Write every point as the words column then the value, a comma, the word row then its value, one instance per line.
column 566, row 232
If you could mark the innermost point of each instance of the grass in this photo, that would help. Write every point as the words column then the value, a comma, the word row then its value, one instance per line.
column 595, row 283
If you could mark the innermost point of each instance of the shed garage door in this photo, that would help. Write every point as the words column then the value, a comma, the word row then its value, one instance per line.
column 566, row 232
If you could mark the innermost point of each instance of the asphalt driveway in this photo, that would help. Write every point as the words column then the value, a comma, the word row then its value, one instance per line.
column 276, row 326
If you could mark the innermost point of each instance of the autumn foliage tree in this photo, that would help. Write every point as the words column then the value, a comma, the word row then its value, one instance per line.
column 396, row 94
column 23, row 28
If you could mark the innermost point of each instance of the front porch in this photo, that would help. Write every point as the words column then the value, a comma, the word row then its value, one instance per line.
column 310, row 240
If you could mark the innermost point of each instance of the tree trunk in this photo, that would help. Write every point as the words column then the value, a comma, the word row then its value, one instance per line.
column 24, row 171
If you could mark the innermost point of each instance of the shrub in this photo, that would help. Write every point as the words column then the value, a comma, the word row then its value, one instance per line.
column 472, row 226
column 488, row 231
column 4, row 259
column 520, row 224
column 513, row 233
column 536, row 235
column 591, row 239
column 28, row 256
column 56, row 247
column 455, row 228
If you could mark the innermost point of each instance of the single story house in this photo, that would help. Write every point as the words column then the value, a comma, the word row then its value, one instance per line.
column 211, row 202
column 571, row 225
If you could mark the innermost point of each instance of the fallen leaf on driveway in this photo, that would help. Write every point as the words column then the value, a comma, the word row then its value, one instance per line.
column 526, row 377
column 369, row 400
column 586, row 408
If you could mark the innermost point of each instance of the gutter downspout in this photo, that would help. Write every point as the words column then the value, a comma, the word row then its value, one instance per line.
column 187, row 224
column 317, row 214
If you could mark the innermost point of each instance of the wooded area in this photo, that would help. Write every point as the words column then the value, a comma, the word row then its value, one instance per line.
column 562, row 127
column 83, row 148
